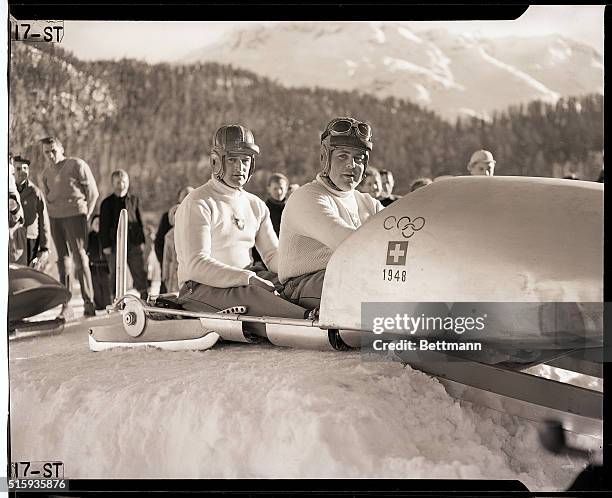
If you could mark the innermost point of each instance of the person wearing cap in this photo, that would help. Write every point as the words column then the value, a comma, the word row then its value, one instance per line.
column 17, row 239
column 217, row 225
column 420, row 183
column 481, row 163
column 320, row 215
column 36, row 218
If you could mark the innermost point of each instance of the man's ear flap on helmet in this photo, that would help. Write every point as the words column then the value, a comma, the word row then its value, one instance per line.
column 325, row 159
column 216, row 164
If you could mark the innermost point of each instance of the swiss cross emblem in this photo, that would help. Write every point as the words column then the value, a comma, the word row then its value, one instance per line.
column 396, row 252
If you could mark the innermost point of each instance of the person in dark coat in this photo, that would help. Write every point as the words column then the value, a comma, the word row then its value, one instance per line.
column 36, row 218
column 17, row 239
column 278, row 186
column 100, row 272
column 388, row 182
column 109, row 220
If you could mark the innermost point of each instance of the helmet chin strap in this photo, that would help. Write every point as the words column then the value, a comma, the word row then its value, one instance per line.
column 230, row 186
column 330, row 183
column 326, row 169
column 221, row 174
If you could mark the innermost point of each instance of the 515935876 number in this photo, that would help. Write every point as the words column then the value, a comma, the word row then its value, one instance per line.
column 36, row 484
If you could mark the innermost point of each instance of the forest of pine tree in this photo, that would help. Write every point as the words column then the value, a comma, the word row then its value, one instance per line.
column 156, row 122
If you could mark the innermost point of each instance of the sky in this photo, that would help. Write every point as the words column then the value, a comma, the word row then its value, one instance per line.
column 171, row 41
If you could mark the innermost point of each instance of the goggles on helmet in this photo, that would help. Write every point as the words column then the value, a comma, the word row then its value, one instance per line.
column 345, row 127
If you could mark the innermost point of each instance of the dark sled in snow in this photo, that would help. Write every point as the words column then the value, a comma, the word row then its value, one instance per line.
column 32, row 292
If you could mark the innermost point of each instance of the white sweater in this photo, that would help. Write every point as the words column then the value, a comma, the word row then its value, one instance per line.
column 315, row 221
column 211, row 248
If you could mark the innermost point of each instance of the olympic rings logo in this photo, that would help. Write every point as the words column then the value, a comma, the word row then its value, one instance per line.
column 405, row 224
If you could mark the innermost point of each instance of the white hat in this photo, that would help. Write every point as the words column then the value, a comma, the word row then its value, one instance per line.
column 481, row 156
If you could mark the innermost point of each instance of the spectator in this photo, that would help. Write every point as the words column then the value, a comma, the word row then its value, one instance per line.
column 162, row 230
column 419, row 182
column 170, row 266
column 371, row 183
column 100, row 272
column 153, row 272
column 387, row 182
column 278, row 186
column 217, row 225
column 17, row 247
column 36, row 218
column 110, row 210
column 323, row 213
column 481, row 163
column 71, row 193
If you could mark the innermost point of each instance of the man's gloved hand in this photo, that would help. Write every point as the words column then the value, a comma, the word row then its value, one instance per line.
column 269, row 276
column 260, row 282
column 257, row 267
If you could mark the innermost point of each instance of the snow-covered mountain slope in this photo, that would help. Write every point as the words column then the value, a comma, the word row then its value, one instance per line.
column 448, row 73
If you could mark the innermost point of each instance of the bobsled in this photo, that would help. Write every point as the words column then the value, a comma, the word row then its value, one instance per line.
column 30, row 293
column 527, row 253
column 523, row 254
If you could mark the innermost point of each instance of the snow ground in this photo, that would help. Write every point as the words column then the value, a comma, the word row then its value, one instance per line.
column 256, row 411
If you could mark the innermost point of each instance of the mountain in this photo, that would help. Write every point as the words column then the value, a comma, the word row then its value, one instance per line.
column 50, row 90
column 156, row 122
column 450, row 74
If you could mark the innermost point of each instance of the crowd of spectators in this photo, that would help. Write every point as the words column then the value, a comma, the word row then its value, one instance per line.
column 62, row 211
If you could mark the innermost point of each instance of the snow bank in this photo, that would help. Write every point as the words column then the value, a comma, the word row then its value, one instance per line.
column 242, row 411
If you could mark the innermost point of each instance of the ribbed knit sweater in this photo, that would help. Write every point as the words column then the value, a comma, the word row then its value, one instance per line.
column 70, row 188
column 316, row 220
column 216, row 226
